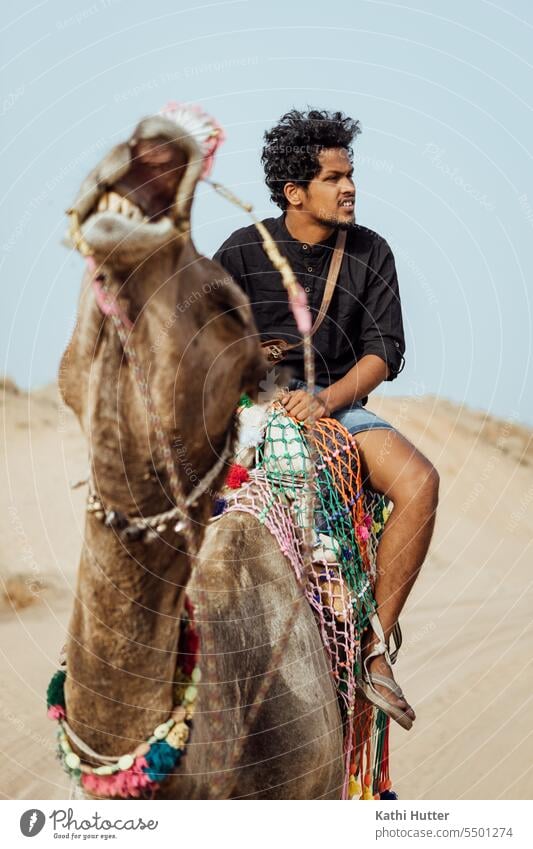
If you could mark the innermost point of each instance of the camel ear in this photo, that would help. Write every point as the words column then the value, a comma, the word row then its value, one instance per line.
column 160, row 126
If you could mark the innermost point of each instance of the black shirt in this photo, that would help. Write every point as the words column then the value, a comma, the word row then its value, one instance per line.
column 364, row 316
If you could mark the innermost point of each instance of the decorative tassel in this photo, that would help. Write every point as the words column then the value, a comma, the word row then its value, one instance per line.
column 354, row 788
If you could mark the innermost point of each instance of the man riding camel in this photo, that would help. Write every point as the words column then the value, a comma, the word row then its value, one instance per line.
column 358, row 343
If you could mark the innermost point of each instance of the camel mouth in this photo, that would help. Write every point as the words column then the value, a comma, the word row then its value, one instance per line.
column 145, row 193
column 118, row 224
column 139, row 196
column 117, row 213
column 115, row 210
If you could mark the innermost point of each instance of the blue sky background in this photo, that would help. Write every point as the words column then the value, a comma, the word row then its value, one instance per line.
column 443, row 166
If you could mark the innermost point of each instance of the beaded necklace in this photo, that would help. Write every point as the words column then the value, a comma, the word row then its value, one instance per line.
column 137, row 773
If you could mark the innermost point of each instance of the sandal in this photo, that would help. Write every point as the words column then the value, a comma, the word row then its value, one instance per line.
column 371, row 678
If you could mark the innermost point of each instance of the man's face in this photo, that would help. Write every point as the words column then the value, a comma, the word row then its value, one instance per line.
column 330, row 196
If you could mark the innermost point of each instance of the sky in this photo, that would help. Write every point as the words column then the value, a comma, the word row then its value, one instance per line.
column 443, row 170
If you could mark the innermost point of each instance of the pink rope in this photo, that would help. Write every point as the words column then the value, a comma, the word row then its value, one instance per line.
column 108, row 304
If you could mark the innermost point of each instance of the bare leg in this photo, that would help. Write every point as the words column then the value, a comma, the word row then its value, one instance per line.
column 393, row 466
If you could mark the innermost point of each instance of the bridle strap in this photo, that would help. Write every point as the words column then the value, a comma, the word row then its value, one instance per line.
column 159, row 519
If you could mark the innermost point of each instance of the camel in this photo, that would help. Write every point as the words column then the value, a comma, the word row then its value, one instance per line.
column 193, row 332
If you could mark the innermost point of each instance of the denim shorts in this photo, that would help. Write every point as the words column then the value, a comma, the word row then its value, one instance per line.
column 354, row 417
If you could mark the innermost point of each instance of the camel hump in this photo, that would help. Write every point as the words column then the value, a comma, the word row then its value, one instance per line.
column 239, row 553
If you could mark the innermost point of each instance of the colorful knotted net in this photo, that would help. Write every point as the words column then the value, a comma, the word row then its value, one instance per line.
column 347, row 521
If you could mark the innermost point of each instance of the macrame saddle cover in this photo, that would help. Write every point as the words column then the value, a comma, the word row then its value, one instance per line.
column 277, row 461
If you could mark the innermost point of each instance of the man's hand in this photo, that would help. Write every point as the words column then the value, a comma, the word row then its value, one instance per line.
column 304, row 406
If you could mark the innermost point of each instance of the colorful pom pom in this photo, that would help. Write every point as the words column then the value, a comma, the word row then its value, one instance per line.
column 388, row 794
column 237, row 475
column 55, row 694
column 121, row 785
column 151, row 761
column 245, row 401
column 161, row 759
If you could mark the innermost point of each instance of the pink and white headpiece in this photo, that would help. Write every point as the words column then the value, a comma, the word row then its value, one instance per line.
column 204, row 129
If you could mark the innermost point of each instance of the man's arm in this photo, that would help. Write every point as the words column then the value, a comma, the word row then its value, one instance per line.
column 380, row 346
column 362, row 379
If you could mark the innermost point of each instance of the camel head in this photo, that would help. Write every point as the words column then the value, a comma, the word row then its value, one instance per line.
column 139, row 197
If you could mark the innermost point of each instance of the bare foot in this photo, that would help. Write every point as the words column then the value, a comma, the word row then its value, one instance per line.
column 380, row 666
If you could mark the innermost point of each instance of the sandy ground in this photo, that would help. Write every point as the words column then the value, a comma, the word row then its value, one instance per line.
column 468, row 635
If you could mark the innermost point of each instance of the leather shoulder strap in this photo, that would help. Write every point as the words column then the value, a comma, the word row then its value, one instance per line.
column 333, row 275
column 331, row 282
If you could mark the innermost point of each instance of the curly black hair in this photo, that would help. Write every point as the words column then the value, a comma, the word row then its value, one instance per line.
column 290, row 153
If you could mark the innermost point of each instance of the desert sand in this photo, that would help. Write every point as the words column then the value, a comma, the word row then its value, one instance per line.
column 468, row 633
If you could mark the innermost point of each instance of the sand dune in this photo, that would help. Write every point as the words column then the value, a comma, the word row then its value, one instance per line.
column 466, row 660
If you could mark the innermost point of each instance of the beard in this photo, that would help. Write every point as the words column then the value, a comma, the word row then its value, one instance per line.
column 339, row 224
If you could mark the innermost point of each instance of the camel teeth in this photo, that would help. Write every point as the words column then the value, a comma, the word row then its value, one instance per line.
column 127, row 208
column 134, row 212
column 113, row 202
